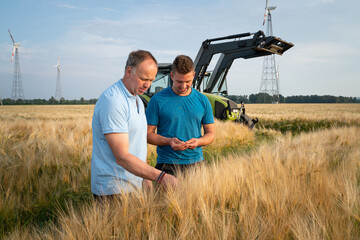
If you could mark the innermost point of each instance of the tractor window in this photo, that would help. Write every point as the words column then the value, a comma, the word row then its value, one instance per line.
column 161, row 82
column 221, row 85
column 205, row 80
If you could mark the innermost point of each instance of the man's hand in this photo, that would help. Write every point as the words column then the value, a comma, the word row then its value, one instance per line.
column 147, row 185
column 169, row 181
column 178, row 145
column 192, row 143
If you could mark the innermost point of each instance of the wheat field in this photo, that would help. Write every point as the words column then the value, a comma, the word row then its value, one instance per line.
column 296, row 176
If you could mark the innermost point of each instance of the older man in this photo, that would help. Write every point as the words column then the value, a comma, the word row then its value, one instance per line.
column 118, row 163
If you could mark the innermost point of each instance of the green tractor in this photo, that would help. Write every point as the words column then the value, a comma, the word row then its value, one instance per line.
column 213, row 83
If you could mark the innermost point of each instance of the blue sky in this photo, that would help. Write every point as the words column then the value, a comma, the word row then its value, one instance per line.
column 93, row 39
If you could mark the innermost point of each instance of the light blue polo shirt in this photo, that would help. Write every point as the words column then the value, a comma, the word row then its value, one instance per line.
column 116, row 111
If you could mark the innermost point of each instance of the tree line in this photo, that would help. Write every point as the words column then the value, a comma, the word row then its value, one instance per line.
column 50, row 101
column 252, row 98
column 266, row 98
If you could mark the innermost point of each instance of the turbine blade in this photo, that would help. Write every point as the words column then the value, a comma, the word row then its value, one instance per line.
column 11, row 37
column 265, row 16
column 13, row 53
column 266, row 11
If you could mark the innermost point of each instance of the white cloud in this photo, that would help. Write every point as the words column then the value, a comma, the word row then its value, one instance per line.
column 323, row 53
column 66, row 6
column 319, row 2
column 111, row 9
column 70, row 6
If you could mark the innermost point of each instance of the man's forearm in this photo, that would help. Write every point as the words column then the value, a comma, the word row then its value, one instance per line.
column 119, row 144
column 137, row 167
column 158, row 140
column 206, row 139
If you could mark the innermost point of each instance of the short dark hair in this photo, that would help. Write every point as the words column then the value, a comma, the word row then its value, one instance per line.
column 137, row 57
column 182, row 64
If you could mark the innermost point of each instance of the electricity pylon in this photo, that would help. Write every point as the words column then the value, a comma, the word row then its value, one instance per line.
column 269, row 79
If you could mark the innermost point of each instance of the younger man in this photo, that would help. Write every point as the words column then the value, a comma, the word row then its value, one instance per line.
column 178, row 112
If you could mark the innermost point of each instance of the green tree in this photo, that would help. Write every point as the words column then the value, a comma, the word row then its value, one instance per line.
column 52, row 101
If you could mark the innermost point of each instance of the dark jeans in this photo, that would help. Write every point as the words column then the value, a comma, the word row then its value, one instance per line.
column 103, row 198
column 174, row 168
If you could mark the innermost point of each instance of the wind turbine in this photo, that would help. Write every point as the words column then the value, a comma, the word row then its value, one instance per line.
column 58, row 85
column 269, row 80
column 17, row 89
column 267, row 11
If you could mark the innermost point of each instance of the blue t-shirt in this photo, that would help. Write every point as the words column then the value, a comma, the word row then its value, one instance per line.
column 116, row 111
column 180, row 117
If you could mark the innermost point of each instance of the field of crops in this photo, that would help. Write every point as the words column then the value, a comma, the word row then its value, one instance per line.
column 296, row 176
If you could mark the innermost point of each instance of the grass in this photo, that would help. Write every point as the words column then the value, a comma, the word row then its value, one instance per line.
column 45, row 155
column 258, row 184
column 298, row 126
column 285, row 190
column 299, row 118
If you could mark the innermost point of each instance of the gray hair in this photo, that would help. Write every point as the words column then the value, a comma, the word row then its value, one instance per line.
column 137, row 57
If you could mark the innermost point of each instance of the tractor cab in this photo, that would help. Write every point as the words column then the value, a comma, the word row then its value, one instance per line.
column 163, row 80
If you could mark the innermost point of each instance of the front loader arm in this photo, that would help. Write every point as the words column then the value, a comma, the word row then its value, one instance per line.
column 257, row 46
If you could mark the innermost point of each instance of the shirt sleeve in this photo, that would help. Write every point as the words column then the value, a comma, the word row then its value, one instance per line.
column 113, row 116
column 152, row 112
column 208, row 117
